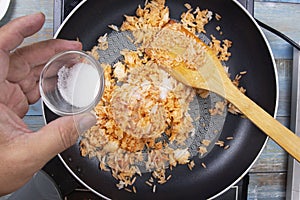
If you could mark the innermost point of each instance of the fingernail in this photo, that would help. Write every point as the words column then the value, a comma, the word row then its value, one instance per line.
column 37, row 14
column 84, row 122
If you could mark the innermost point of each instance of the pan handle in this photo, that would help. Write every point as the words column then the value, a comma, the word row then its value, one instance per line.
column 278, row 33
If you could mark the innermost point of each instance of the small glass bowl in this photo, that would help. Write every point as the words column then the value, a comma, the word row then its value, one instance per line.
column 63, row 79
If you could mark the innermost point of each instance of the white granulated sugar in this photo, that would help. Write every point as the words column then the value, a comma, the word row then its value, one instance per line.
column 78, row 85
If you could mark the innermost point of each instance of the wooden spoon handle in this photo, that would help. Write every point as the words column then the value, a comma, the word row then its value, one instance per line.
column 279, row 133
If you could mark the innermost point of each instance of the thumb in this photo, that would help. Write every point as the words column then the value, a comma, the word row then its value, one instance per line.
column 60, row 134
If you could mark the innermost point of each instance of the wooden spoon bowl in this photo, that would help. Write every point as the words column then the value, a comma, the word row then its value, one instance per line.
column 192, row 62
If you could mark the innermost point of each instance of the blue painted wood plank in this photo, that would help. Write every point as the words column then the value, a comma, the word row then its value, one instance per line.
column 35, row 109
column 273, row 158
column 283, row 17
column 34, row 123
column 280, row 1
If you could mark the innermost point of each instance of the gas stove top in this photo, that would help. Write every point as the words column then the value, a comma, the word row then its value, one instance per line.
column 69, row 187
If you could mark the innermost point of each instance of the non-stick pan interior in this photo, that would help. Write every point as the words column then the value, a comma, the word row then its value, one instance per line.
column 249, row 53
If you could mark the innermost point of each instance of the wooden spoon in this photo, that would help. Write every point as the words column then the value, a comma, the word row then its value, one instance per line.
column 178, row 51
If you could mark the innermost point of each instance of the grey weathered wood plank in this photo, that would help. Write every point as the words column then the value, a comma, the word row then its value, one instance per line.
column 284, row 69
column 272, row 159
column 266, row 186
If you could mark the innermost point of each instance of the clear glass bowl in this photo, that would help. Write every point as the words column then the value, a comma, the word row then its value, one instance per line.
column 72, row 82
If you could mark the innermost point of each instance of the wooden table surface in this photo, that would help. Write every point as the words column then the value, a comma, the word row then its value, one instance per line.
column 268, row 175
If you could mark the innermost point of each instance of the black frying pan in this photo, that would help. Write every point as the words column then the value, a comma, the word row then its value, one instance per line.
column 250, row 52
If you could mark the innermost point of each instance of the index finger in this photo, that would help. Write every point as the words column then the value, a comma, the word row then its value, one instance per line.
column 24, row 59
column 13, row 33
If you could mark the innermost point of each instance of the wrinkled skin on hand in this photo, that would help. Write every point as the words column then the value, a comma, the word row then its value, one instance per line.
column 23, row 152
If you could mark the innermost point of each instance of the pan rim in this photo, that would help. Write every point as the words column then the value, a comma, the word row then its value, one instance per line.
column 266, row 140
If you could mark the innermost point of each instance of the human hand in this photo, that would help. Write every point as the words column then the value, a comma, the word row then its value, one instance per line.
column 23, row 152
